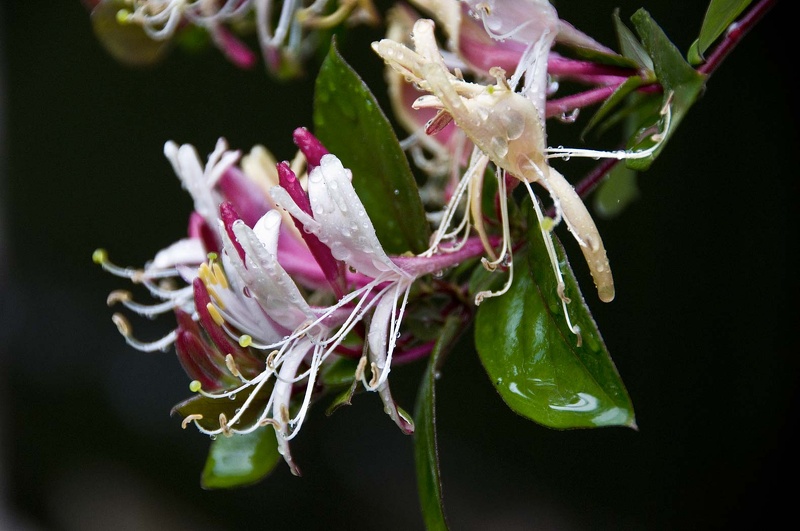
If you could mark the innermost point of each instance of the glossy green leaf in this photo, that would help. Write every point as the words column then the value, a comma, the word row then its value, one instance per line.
column 719, row 15
column 681, row 83
column 540, row 368
column 349, row 122
column 125, row 42
column 429, row 484
column 241, row 459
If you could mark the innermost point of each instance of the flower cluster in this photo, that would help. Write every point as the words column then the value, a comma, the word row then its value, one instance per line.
column 503, row 119
column 282, row 274
column 285, row 30
column 246, row 321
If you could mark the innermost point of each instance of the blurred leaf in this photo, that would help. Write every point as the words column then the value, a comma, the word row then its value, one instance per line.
column 618, row 191
column 718, row 17
column 540, row 368
column 193, row 39
column 604, row 58
column 241, row 459
column 619, row 95
column 127, row 43
column 426, row 454
column 349, row 122
column 341, row 371
column 630, row 45
column 679, row 80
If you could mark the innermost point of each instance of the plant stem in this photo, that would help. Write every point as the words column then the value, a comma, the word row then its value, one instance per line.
column 736, row 31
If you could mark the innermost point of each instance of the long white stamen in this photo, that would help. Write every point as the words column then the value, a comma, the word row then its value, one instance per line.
column 125, row 329
column 551, row 253
column 566, row 153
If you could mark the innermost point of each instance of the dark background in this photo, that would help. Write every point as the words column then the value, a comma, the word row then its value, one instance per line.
column 703, row 330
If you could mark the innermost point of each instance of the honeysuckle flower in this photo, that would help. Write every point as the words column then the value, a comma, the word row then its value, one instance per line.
column 507, row 128
column 246, row 327
column 284, row 31
column 477, row 40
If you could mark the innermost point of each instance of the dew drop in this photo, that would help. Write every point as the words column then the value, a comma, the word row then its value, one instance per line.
column 500, row 146
column 569, row 118
column 514, row 124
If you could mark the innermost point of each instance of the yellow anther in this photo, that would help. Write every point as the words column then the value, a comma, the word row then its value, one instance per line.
column 245, row 340
column 100, row 256
column 219, row 275
column 195, row 386
column 205, row 274
column 269, row 422
column 223, row 424
column 271, row 359
column 487, row 265
column 215, row 315
column 190, row 418
column 123, row 16
column 116, row 296
column 231, row 364
column 547, row 224
column 213, row 294
column 123, row 325
column 375, row 374
column 362, row 363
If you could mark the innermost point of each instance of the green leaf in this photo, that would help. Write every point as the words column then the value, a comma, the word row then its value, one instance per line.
column 540, row 368
column 618, row 191
column 211, row 408
column 126, row 42
column 241, row 459
column 616, row 98
column 718, row 17
column 349, row 122
column 345, row 398
column 340, row 372
column 630, row 45
column 429, row 484
column 680, row 81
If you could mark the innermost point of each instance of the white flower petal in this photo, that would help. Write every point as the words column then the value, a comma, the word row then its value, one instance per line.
column 189, row 251
column 268, row 282
column 343, row 223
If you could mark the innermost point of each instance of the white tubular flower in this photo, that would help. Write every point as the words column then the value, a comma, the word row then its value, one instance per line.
column 507, row 127
column 245, row 328
column 260, row 303
column 340, row 221
column 283, row 28
column 179, row 261
column 201, row 181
